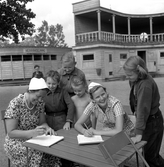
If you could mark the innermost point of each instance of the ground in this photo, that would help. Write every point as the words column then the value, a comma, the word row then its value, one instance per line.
column 119, row 89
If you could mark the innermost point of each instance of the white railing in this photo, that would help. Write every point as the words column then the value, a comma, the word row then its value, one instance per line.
column 87, row 37
column 124, row 38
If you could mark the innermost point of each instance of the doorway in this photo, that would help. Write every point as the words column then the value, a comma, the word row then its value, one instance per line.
column 142, row 54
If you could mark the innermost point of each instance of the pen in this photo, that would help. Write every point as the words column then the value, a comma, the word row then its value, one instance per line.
column 86, row 126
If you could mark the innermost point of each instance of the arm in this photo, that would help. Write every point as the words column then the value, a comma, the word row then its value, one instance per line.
column 70, row 107
column 41, row 74
column 33, row 74
column 112, row 132
column 86, row 114
column 13, row 132
column 119, row 121
column 42, row 123
column 12, row 116
column 144, row 101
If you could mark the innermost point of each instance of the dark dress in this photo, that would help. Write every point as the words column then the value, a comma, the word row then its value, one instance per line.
column 38, row 74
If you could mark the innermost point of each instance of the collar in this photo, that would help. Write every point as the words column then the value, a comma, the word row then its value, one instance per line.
column 74, row 72
column 58, row 90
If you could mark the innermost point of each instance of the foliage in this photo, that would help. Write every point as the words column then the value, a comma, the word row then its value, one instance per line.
column 50, row 35
column 15, row 19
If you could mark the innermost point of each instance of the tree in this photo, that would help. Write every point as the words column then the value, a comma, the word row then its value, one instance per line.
column 50, row 35
column 15, row 19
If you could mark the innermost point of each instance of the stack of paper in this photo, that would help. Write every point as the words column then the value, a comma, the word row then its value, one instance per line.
column 45, row 140
column 89, row 140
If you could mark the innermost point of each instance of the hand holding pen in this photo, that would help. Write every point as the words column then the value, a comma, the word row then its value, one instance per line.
column 88, row 132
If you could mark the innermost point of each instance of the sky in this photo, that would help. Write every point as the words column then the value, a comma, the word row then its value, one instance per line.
column 61, row 12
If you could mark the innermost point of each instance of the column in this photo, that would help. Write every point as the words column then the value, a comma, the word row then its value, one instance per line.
column 99, row 24
column 114, row 28
column 151, row 28
column 129, row 28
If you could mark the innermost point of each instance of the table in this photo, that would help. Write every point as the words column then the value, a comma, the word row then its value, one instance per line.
column 88, row 155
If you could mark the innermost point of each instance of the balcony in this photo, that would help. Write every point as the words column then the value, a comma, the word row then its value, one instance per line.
column 94, row 37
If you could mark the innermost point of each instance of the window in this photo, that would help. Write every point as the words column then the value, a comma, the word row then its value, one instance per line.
column 37, row 57
column 88, row 57
column 27, row 57
column 110, row 73
column 110, row 57
column 53, row 57
column 16, row 57
column 46, row 57
column 6, row 58
column 123, row 56
column 161, row 54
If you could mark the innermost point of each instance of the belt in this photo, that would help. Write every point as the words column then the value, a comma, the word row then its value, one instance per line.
column 55, row 114
column 156, row 115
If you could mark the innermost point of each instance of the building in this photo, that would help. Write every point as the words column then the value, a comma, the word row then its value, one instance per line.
column 105, row 38
column 18, row 62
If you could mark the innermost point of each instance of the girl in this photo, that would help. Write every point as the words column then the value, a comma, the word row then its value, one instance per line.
column 144, row 102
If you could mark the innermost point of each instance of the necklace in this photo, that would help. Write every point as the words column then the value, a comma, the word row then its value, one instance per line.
column 27, row 104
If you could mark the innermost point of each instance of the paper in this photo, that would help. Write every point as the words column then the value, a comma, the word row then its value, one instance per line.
column 45, row 140
column 89, row 140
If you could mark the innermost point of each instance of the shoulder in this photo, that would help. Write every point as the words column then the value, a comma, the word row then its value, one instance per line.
column 113, row 100
column 90, row 107
column 60, row 71
column 74, row 97
column 18, row 99
column 78, row 71
column 146, row 83
column 88, row 99
column 12, row 110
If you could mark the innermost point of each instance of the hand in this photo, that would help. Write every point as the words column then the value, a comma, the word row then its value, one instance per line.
column 39, row 130
column 66, row 126
column 136, row 139
column 88, row 132
column 50, row 131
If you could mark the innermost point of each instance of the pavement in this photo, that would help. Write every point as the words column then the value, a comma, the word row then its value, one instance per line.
column 14, row 82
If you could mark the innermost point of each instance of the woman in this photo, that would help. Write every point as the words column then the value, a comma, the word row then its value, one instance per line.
column 144, row 102
column 104, row 110
column 25, row 119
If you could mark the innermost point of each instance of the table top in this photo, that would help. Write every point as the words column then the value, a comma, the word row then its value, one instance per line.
column 89, row 155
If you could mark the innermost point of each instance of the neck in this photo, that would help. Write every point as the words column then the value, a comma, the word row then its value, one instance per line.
column 104, row 108
column 29, row 105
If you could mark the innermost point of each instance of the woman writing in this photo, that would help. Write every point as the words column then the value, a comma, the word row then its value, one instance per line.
column 144, row 102
column 25, row 119
column 105, row 110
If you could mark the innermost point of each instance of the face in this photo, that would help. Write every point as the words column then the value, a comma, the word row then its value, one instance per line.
column 36, row 69
column 37, row 96
column 79, row 90
column 68, row 67
column 100, row 96
column 132, row 76
column 51, row 83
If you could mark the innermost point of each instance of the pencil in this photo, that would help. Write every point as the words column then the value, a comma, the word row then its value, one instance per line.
column 86, row 126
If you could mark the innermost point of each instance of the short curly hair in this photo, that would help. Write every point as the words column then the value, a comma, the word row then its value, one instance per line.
column 54, row 75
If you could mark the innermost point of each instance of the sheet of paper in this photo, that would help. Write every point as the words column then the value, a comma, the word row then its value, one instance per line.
column 89, row 140
column 45, row 140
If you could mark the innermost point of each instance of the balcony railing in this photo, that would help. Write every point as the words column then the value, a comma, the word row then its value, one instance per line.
column 121, row 38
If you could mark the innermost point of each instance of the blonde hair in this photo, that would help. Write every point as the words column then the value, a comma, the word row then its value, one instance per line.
column 68, row 57
column 137, row 65
column 79, row 80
